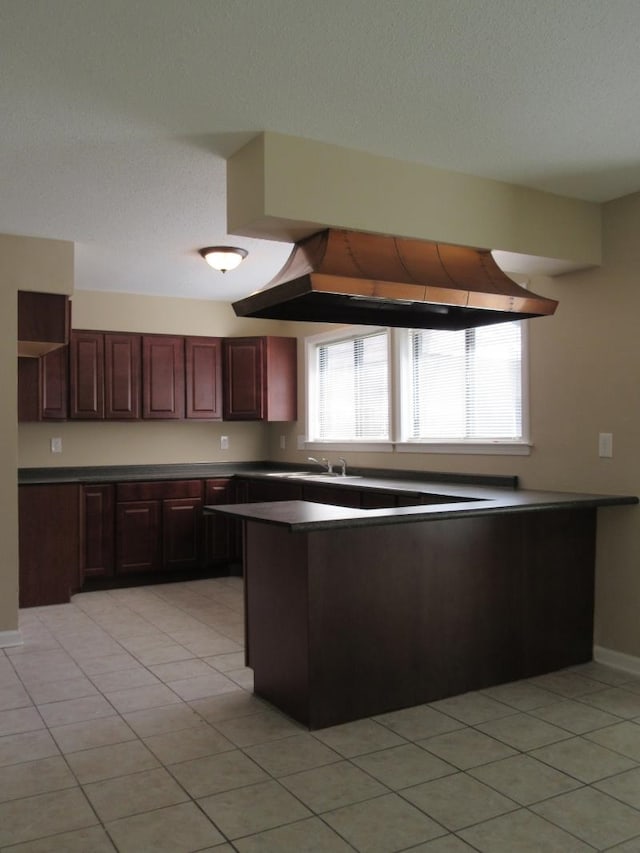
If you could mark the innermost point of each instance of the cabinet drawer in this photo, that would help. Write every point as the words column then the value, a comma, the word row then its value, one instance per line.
column 162, row 490
column 218, row 491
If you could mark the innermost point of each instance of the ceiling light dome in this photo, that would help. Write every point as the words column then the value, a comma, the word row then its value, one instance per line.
column 223, row 258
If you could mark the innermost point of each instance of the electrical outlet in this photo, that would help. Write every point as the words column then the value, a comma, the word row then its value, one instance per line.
column 300, row 444
column 56, row 445
column 224, row 442
column 283, row 442
column 605, row 445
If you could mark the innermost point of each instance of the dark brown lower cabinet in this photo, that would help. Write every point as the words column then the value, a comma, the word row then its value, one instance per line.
column 182, row 533
column 219, row 540
column 49, row 536
column 380, row 500
column 158, row 526
column 98, row 531
column 138, row 537
column 321, row 494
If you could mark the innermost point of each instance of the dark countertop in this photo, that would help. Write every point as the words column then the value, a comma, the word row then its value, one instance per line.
column 125, row 473
column 471, row 495
column 205, row 470
column 467, row 501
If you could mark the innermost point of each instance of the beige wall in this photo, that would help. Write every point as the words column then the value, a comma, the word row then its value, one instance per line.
column 25, row 264
column 8, row 456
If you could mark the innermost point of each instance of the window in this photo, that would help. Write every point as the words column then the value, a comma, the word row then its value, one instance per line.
column 444, row 391
column 466, row 385
column 351, row 388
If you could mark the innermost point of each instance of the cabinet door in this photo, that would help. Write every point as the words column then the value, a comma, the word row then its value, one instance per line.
column 274, row 490
column 29, row 403
column 203, row 359
column 98, row 527
column 282, row 379
column 244, row 380
column 54, row 385
column 377, row 500
column 182, row 533
column 342, row 496
column 86, row 357
column 138, row 542
column 43, row 387
column 218, row 530
column 162, row 377
column 49, row 533
column 43, row 322
column 122, row 366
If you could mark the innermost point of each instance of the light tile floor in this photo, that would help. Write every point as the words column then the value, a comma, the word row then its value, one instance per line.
column 127, row 723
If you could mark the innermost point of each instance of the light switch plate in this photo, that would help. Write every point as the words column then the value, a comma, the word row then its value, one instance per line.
column 56, row 445
column 605, row 445
column 224, row 442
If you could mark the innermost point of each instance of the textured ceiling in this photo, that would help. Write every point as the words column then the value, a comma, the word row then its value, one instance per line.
column 116, row 116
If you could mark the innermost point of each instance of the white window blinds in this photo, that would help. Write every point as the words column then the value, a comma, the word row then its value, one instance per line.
column 353, row 388
column 466, row 385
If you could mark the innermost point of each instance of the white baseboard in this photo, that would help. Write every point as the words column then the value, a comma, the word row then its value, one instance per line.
column 618, row 660
column 10, row 638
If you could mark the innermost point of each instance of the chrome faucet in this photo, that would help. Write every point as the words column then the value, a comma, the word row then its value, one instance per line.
column 343, row 463
column 323, row 463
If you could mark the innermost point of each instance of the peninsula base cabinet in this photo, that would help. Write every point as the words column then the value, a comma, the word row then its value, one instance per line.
column 348, row 623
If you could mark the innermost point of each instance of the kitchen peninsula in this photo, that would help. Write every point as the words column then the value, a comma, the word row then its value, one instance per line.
column 353, row 612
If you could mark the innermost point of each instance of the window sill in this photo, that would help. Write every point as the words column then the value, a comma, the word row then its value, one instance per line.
column 489, row 448
column 346, row 446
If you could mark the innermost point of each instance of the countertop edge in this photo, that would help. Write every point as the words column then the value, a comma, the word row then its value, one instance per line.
column 289, row 514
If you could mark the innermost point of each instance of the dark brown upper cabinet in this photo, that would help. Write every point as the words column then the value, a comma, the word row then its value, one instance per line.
column 44, row 320
column 163, row 395
column 43, row 386
column 260, row 379
column 122, row 361
column 105, row 375
column 86, row 375
column 203, row 360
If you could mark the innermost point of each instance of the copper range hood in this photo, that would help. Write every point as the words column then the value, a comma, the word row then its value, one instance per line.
column 350, row 277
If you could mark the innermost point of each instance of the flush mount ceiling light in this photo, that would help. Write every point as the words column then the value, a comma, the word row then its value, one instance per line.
column 223, row 258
